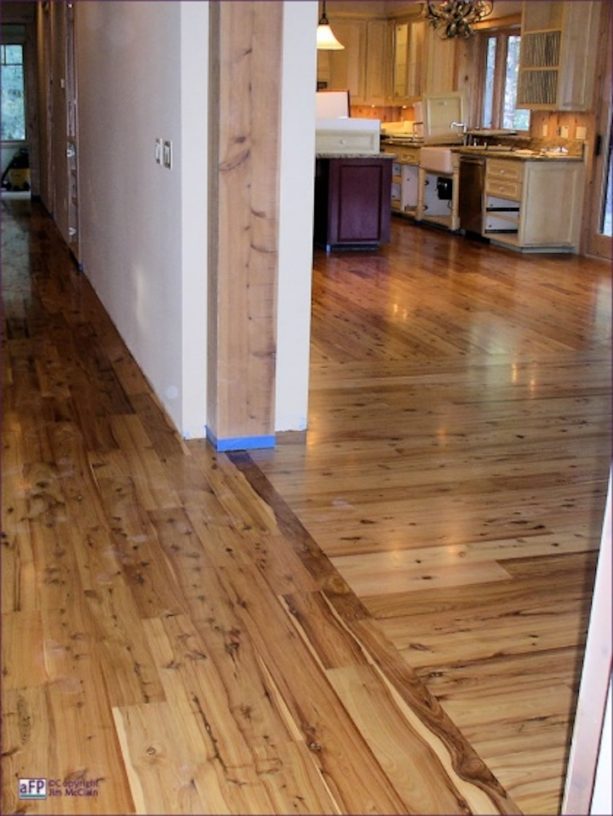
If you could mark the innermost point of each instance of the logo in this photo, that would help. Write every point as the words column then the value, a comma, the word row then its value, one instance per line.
column 32, row 788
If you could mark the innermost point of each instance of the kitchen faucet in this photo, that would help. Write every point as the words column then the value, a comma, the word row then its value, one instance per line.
column 461, row 126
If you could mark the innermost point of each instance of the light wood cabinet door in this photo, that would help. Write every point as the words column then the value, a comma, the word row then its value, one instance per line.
column 378, row 49
column 400, row 62
column 347, row 67
column 439, row 64
column 408, row 44
column 551, row 204
column 416, row 58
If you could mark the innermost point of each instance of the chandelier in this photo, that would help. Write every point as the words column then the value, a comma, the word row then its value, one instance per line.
column 455, row 18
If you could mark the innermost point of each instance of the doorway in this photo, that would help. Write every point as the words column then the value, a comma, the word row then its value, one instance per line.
column 16, row 178
column 600, row 203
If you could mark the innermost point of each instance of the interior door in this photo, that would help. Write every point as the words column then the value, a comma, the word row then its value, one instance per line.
column 600, row 234
column 72, row 166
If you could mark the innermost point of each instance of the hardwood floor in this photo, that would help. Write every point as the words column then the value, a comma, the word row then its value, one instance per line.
column 455, row 474
column 349, row 625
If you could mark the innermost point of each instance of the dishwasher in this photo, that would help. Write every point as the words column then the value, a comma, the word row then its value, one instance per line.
column 472, row 183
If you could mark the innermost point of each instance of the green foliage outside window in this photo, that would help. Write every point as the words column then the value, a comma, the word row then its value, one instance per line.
column 13, row 118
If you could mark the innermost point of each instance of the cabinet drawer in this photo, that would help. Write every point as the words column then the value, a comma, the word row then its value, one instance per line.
column 505, row 170
column 345, row 142
column 502, row 221
column 505, row 189
column 403, row 155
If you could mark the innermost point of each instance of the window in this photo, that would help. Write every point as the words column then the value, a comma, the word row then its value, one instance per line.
column 13, row 94
column 500, row 83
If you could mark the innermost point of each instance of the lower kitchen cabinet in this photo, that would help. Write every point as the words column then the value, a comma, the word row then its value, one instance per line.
column 534, row 205
column 405, row 178
column 352, row 201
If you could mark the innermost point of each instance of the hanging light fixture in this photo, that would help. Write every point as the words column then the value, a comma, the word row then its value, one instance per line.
column 455, row 18
column 326, row 41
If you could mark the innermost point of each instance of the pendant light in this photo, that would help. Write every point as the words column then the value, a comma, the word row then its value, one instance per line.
column 326, row 41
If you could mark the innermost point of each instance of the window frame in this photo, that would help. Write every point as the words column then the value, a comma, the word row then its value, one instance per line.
column 8, row 39
column 501, row 35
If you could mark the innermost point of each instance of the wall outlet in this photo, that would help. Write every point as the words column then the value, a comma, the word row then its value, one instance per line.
column 167, row 154
column 544, row 130
column 581, row 133
column 157, row 154
column 564, row 132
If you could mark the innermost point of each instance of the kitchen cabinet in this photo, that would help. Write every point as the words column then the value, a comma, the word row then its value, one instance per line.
column 352, row 201
column 422, row 62
column 439, row 70
column 377, row 62
column 408, row 60
column 534, row 205
column 405, row 179
column 346, row 69
column 363, row 66
column 558, row 52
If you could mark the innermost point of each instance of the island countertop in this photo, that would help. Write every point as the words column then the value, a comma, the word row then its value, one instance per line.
column 354, row 155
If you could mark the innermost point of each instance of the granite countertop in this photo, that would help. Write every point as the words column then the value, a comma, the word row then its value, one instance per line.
column 354, row 155
column 517, row 155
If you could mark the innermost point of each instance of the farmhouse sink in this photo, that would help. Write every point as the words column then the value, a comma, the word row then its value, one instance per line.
column 437, row 159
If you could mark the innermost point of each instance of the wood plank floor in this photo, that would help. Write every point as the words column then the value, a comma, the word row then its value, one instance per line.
column 455, row 472
column 347, row 626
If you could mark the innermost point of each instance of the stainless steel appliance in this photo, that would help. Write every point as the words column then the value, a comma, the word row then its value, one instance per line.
column 472, row 182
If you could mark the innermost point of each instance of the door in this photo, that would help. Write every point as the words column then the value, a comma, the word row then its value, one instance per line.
column 600, row 201
column 72, row 135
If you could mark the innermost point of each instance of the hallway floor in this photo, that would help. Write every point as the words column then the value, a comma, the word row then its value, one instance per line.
column 386, row 619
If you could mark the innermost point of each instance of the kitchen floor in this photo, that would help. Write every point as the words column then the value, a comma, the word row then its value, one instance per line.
column 455, row 473
column 387, row 617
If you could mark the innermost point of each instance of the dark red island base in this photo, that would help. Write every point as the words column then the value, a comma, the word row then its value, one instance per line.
column 352, row 201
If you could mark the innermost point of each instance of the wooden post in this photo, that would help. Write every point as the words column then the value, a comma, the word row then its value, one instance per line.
column 244, row 150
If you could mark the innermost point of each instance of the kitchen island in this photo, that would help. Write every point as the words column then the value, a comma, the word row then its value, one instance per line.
column 352, row 200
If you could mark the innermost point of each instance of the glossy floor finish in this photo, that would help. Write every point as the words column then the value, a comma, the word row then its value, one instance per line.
column 455, row 474
column 191, row 633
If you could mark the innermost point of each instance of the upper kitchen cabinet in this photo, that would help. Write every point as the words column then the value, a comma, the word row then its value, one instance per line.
column 345, row 69
column 408, row 40
column 440, row 60
column 378, row 49
column 422, row 62
column 558, row 52
column 363, row 65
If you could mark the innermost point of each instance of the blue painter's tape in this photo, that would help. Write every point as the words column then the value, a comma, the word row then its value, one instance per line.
column 237, row 443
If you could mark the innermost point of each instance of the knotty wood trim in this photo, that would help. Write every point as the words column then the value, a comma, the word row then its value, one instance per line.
column 244, row 150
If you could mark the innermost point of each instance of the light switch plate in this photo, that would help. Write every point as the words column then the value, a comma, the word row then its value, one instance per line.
column 564, row 132
column 581, row 133
column 167, row 154
column 157, row 155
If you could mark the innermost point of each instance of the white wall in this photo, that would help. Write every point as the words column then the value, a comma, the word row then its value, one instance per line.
column 142, row 73
column 135, row 80
column 194, row 169
column 296, row 213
